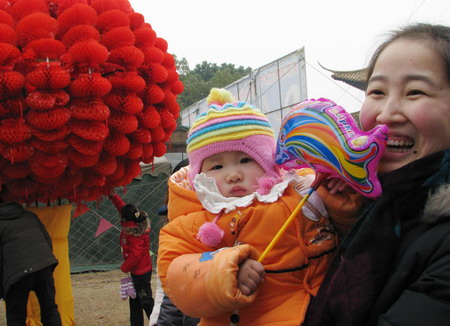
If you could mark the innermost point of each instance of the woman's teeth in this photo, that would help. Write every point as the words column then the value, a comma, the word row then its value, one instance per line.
column 398, row 146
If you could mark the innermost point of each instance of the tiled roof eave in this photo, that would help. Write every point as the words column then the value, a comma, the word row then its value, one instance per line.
column 355, row 78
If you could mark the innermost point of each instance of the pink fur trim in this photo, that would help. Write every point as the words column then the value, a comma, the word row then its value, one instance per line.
column 265, row 184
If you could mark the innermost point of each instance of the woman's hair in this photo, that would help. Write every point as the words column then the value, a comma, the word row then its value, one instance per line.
column 130, row 212
column 437, row 36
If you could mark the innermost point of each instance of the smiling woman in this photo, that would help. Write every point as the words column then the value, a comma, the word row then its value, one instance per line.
column 395, row 266
column 409, row 91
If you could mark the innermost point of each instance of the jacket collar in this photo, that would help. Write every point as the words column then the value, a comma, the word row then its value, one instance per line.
column 431, row 173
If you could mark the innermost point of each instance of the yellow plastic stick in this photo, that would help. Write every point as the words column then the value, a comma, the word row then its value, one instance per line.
column 284, row 227
column 320, row 177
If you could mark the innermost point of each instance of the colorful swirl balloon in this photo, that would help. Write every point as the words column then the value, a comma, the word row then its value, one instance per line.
column 322, row 135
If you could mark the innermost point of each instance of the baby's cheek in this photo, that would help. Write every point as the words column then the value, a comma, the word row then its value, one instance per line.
column 220, row 186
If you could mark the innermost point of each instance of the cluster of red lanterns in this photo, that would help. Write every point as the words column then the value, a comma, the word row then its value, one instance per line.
column 87, row 92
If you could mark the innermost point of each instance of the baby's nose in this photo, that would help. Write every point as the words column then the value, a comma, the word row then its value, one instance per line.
column 235, row 177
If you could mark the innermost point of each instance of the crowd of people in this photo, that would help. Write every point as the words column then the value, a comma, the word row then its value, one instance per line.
column 389, row 266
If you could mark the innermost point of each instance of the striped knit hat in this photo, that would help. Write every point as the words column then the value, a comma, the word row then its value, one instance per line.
column 231, row 126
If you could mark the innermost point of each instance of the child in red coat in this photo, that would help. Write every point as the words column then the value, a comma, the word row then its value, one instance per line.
column 135, row 243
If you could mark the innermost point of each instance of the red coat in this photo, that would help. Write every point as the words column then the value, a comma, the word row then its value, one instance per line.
column 135, row 243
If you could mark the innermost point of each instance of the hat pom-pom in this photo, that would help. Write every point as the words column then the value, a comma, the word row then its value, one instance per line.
column 265, row 184
column 219, row 96
column 210, row 234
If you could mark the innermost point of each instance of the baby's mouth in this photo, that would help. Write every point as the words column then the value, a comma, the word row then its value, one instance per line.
column 399, row 144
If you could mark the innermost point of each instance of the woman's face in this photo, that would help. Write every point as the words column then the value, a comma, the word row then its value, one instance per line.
column 409, row 91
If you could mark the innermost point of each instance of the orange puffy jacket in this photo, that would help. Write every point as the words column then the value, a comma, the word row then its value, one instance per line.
column 202, row 280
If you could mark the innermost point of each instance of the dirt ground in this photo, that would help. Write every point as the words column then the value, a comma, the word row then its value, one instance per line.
column 96, row 300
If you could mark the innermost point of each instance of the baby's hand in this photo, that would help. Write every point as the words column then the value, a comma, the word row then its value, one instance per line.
column 250, row 274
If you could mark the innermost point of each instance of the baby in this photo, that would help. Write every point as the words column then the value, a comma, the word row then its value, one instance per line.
column 224, row 209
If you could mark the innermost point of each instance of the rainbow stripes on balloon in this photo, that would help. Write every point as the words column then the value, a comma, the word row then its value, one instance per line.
column 322, row 135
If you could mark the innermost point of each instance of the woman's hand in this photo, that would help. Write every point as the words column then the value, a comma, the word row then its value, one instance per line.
column 336, row 185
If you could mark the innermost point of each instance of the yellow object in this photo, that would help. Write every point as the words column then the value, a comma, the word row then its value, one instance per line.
column 219, row 96
column 57, row 222
column 283, row 228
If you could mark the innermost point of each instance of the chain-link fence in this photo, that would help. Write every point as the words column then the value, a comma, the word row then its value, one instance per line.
column 88, row 252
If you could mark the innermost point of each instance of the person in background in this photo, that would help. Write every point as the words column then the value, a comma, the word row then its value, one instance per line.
column 393, row 268
column 224, row 209
column 135, row 244
column 168, row 314
column 26, row 264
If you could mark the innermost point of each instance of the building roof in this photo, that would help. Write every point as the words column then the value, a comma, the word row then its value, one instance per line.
column 355, row 78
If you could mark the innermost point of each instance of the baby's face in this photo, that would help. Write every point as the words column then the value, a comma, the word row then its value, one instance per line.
column 236, row 173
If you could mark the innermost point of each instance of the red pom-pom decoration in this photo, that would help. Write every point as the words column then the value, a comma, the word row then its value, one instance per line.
column 51, row 135
column 94, row 110
column 80, row 33
column 11, row 82
column 46, row 48
column 90, row 85
column 22, row 8
column 49, row 76
column 35, row 26
column 124, row 102
column 83, row 146
column 89, row 130
column 53, row 147
column 14, row 131
column 17, row 153
column 159, row 149
column 7, row 34
column 123, row 122
column 87, row 92
column 17, row 171
column 145, row 36
column 116, row 144
column 111, row 19
column 88, row 52
column 149, row 118
column 118, row 37
column 48, row 120
column 78, row 14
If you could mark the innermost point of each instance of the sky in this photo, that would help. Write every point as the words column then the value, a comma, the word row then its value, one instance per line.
column 340, row 35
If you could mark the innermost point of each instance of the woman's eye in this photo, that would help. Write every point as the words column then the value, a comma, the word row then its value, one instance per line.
column 246, row 160
column 375, row 92
column 415, row 92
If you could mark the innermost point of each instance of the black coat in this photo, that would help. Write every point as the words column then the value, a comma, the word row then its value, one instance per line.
column 25, row 246
column 394, row 266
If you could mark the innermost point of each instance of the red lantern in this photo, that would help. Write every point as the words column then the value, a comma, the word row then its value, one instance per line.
column 88, row 91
